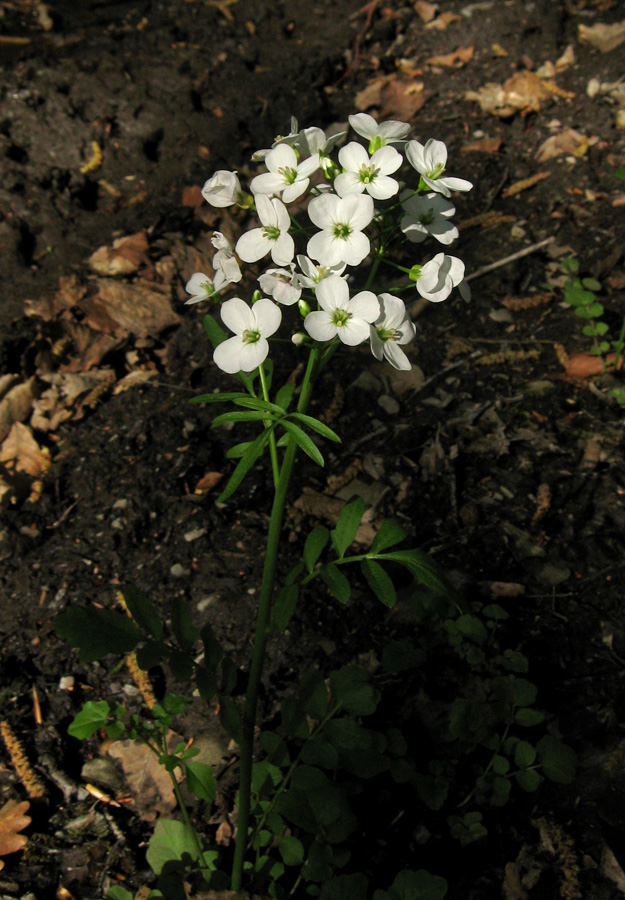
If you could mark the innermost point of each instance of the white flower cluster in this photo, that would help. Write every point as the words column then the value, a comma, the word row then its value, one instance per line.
column 342, row 206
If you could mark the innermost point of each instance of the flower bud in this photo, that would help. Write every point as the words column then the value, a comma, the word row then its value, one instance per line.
column 304, row 308
column 415, row 273
column 256, row 296
column 299, row 338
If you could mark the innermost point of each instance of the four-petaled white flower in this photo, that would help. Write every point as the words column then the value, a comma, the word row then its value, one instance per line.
column 202, row 287
column 285, row 174
column 364, row 174
column 223, row 189
column 313, row 274
column 427, row 214
column 273, row 237
column 313, row 142
column 282, row 285
column 430, row 161
column 252, row 326
column 379, row 133
column 439, row 276
column 390, row 329
column 341, row 220
column 340, row 316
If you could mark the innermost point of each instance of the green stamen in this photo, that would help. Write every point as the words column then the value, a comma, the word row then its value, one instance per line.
column 271, row 232
column 250, row 337
column 340, row 317
column 342, row 232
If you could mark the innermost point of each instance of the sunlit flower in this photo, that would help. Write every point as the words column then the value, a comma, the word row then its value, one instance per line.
column 390, row 329
column 437, row 278
column 340, row 316
column 313, row 142
column 430, row 161
column 427, row 214
column 202, row 287
column 223, row 189
column 224, row 259
column 341, row 220
column 273, row 237
column 282, row 285
column 379, row 133
column 312, row 274
column 252, row 326
column 367, row 174
column 285, row 175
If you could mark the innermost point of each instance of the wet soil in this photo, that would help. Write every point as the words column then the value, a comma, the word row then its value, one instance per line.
column 502, row 465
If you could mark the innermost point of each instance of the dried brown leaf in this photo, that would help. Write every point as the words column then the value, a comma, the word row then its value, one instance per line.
column 16, row 405
column 426, row 11
column 128, row 309
column 148, row 781
column 445, row 19
column 457, row 59
column 123, row 258
column 23, row 452
column 13, row 819
column 486, row 145
column 567, row 143
column 602, row 37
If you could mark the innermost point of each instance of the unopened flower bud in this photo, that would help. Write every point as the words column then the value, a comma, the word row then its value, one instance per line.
column 256, row 296
column 415, row 273
column 245, row 200
column 299, row 338
column 304, row 308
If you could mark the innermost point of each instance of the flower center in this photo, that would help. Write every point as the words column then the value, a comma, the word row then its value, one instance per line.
column 250, row 337
column 289, row 174
column 427, row 217
column 208, row 288
column 342, row 231
column 340, row 317
column 367, row 173
column 321, row 274
column 440, row 168
column 387, row 334
column 271, row 232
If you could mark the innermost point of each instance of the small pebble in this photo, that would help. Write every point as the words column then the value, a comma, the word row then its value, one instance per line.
column 389, row 404
column 177, row 570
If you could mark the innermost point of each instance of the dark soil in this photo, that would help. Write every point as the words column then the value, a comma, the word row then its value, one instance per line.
column 504, row 467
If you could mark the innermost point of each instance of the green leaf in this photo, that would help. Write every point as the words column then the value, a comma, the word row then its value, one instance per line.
column 559, row 761
column 97, row 632
column 494, row 611
column 422, row 568
column 303, row 441
column 238, row 450
column 218, row 397
column 313, row 694
column 215, row 333
column 472, row 627
column 400, row 655
column 389, row 534
column 92, row 717
column 182, row 625
column 501, row 766
column 379, row 582
column 213, row 651
column 524, row 754
column 570, row 265
column 337, row 582
column 284, row 607
column 142, row 611
column 620, row 173
column 524, row 692
column 345, row 887
column 284, row 395
column 172, row 841
column 501, row 788
column 345, row 734
column 591, row 284
column 180, row 665
column 320, row 753
column 238, row 415
column 314, row 546
column 529, row 780
column 526, row 717
column 350, row 517
column 420, row 885
column 151, row 654
column 229, row 717
column 248, row 459
column 317, row 426
column 117, row 892
column 201, row 780
column 206, row 683
column 309, row 778
column 352, row 692
column 259, row 405
column 275, row 748
column 291, row 850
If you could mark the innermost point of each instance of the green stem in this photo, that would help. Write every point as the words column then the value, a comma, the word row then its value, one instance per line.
column 619, row 347
column 267, row 424
column 263, row 619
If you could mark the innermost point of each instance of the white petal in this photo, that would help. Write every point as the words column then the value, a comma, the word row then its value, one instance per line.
column 265, row 210
column 393, row 311
column 364, row 125
column 435, row 155
column 456, row 184
column 281, row 157
column 295, row 190
column 357, row 210
column 366, row 306
column 282, row 217
column 322, row 210
column 238, row 316
column 414, row 155
column 394, row 131
column 413, row 229
column 348, row 183
column 267, row 183
column 283, row 250
column 332, row 293
column 354, row 332
column 377, row 346
column 319, row 326
column 352, row 156
column 308, row 166
column 268, row 316
column 324, row 248
column 396, row 356
column 252, row 355
column 253, row 245
column 387, row 160
column 443, row 231
column 382, row 188
column 354, row 249
column 195, row 286
column 227, row 355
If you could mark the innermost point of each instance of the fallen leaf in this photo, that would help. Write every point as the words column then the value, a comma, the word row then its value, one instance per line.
column 425, row 10
column 123, row 258
column 611, row 869
column 445, row 19
column 457, row 59
column 22, row 451
column 16, row 405
column 148, row 781
column 312, row 503
column 486, row 145
column 12, row 821
column 396, row 97
column 129, row 309
column 567, row 59
column 208, row 482
column 567, row 143
column 70, row 292
column 602, row 37
column 524, row 92
column 498, row 50
column 192, row 196
column 583, row 365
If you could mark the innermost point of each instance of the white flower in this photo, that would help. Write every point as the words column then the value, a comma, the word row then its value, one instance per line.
column 439, row 276
column 427, row 214
column 223, row 189
column 282, row 285
column 224, row 260
column 349, row 319
column 252, row 326
column 430, row 161
column 313, row 274
column 341, row 220
column 285, row 175
column 291, row 138
column 202, row 287
column 390, row 329
column 364, row 174
column 273, row 236
column 378, row 135
column 313, row 142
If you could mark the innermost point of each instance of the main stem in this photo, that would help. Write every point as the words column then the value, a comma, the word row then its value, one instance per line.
column 263, row 619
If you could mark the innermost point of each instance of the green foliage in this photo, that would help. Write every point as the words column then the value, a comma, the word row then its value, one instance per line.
column 97, row 632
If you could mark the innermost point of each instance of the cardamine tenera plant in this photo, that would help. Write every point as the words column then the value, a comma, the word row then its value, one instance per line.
column 329, row 287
